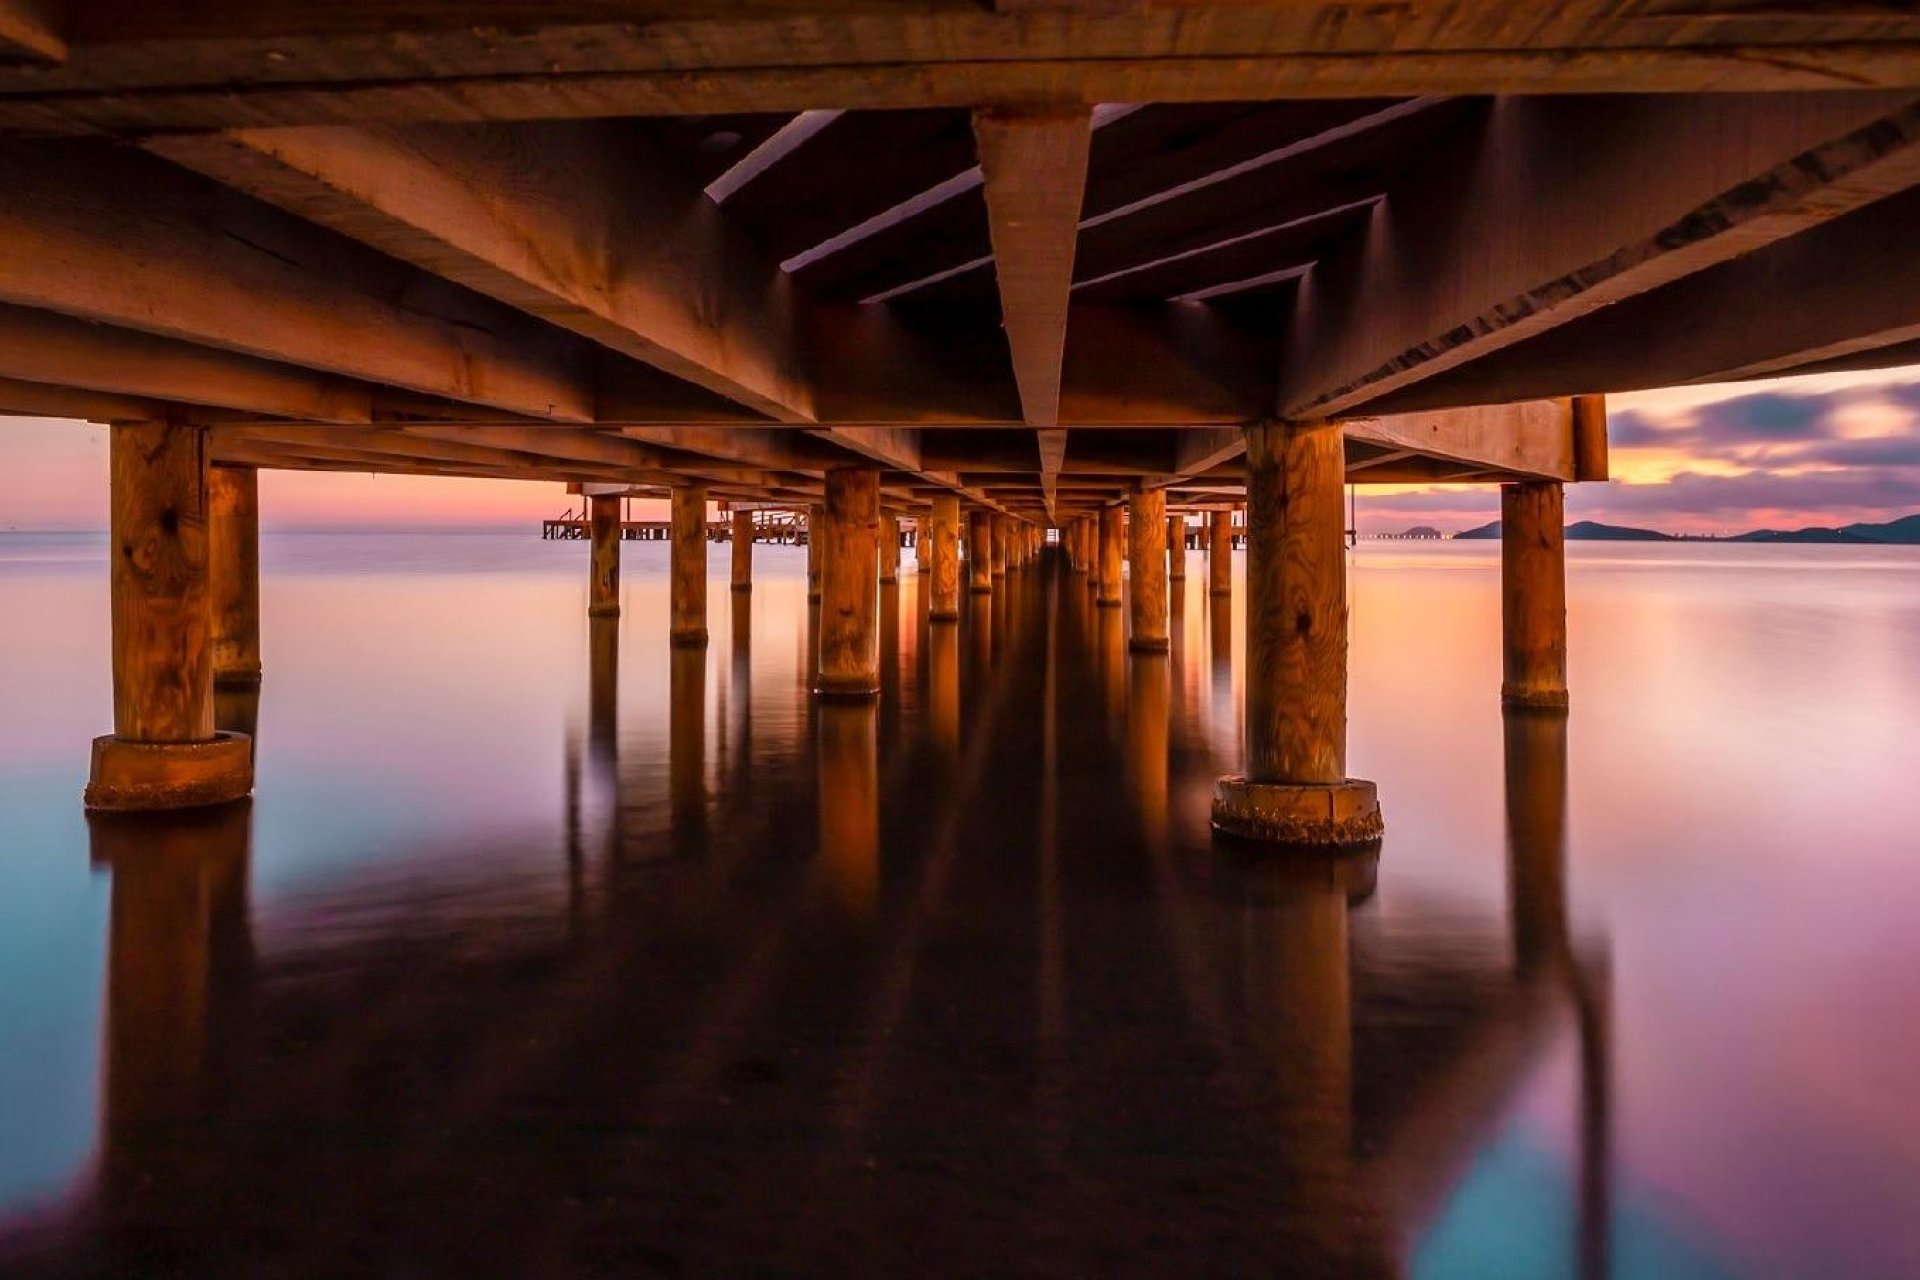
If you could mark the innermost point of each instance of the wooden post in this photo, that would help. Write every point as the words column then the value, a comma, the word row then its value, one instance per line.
column 998, row 543
column 603, row 557
column 816, row 517
column 1176, row 548
column 890, row 548
column 1533, row 581
column 940, row 549
column 688, row 586
column 743, row 551
column 980, row 551
column 1110, row 555
column 1147, row 553
column 1296, row 790
column 164, row 752
column 1220, row 553
column 850, row 585
column 233, row 555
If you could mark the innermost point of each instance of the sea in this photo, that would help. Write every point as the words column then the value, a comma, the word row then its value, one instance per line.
column 544, row 949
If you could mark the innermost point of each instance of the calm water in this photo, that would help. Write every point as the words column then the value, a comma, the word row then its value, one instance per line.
column 544, row 951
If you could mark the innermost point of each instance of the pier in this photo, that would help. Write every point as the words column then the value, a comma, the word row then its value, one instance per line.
column 939, row 289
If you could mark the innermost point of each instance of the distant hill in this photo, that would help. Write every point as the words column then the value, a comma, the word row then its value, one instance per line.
column 1584, row 531
column 1905, row 531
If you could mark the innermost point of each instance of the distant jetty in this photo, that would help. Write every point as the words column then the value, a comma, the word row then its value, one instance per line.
column 1902, row 532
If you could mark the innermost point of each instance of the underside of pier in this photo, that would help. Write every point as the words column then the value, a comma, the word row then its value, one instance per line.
column 989, row 266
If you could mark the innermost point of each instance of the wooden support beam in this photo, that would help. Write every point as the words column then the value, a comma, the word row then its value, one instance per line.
column 1220, row 553
column 589, row 225
column 603, row 562
column 849, row 664
column 1533, row 593
column 1296, row 789
column 30, row 35
column 1840, row 292
column 42, row 346
column 940, row 548
column 1535, row 438
column 1147, row 556
column 741, row 545
column 233, row 574
column 129, row 240
column 687, row 588
column 980, row 552
column 1034, row 165
column 164, row 752
column 1458, row 264
column 1112, row 552
column 1053, row 457
column 260, row 64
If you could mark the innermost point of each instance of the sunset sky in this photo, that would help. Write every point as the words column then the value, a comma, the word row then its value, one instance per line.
column 1822, row 450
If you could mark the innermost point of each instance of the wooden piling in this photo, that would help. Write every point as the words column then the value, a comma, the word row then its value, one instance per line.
column 688, row 586
column 940, row 548
column 1220, row 553
column 816, row 516
column 1111, row 551
column 1176, row 548
column 165, row 751
column 603, row 557
column 980, row 551
column 1296, row 790
column 742, row 551
column 1533, row 582
column 999, row 543
column 1147, row 554
column 890, row 548
column 850, row 585
column 233, row 572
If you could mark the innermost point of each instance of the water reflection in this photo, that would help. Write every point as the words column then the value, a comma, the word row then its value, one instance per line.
column 977, row 1018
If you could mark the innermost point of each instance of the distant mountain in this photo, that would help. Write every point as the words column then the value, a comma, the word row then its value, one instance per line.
column 1816, row 535
column 1584, row 531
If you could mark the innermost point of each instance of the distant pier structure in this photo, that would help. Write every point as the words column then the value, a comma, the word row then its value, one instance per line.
column 1112, row 280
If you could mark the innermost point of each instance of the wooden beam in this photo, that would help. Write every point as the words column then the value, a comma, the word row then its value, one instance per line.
column 1534, row 439
column 423, row 63
column 1053, row 457
column 1837, row 293
column 120, row 238
column 38, row 400
column 1035, row 168
column 28, row 34
column 1463, row 260
column 42, row 346
column 588, row 225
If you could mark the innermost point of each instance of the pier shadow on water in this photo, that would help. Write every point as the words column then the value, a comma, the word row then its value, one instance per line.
column 949, row 984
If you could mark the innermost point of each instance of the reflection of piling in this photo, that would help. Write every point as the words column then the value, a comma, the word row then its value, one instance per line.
column 848, row 750
column 943, row 689
column 1149, row 691
column 178, row 943
column 1536, row 778
column 687, row 747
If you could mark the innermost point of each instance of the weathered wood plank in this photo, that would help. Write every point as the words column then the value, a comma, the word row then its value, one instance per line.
column 589, row 226
column 1462, row 262
column 115, row 237
column 42, row 346
column 29, row 36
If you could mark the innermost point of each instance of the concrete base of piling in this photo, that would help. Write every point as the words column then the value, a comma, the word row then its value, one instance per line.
column 1338, row 815
column 169, row 775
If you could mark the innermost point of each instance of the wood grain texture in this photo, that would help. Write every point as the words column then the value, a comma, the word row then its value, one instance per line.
column 1147, row 564
column 1533, row 594
column 1590, row 438
column 1176, row 548
column 233, row 571
column 890, row 549
column 688, row 584
column 742, row 551
column 1219, row 553
column 1000, row 545
column 980, row 551
column 161, row 600
column 1296, row 605
column 1034, row 165
column 940, row 544
column 1112, row 554
column 850, row 585
column 816, row 538
column 603, row 557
